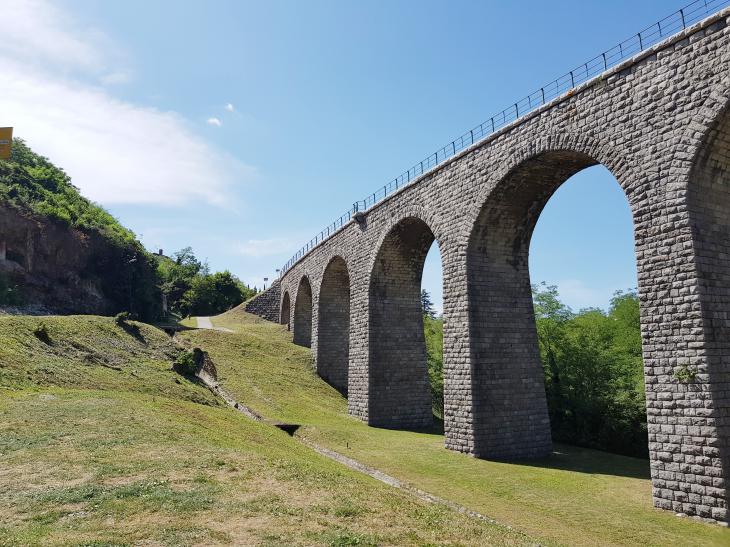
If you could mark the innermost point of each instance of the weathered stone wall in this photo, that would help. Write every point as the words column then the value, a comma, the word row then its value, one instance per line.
column 266, row 304
column 656, row 123
column 334, row 316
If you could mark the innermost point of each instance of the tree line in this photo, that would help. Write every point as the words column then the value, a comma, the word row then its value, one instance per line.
column 594, row 380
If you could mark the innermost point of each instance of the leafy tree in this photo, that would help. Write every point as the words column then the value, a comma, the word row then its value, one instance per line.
column 593, row 372
column 427, row 304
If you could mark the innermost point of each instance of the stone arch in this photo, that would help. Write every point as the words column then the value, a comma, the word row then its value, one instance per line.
column 333, row 330
column 303, row 313
column 508, row 405
column 285, row 313
column 398, row 389
column 416, row 212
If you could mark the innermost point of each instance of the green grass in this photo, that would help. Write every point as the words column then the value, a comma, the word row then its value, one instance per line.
column 578, row 496
column 101, row 444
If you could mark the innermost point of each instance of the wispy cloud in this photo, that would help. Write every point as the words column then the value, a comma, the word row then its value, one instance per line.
column 115, row 151
column 266, row 247
column 214, row 122
column 230, row 107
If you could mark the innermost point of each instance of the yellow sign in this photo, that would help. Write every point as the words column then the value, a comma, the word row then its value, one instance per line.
column 6, row 142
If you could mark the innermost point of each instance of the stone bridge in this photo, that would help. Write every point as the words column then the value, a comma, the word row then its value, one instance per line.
column 660, row 123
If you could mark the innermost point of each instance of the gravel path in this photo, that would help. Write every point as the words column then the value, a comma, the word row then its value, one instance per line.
column 206, row 323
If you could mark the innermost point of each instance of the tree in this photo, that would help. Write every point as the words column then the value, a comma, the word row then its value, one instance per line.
column 593, row 372
column 427, row 305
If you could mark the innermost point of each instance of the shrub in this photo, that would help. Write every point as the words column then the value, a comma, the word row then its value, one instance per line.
column 187, row 362
column 121, row 318
column 41, row 332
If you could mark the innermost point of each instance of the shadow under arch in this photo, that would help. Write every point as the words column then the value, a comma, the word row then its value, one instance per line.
column 508, row 403
column 285, row 315
column 399, row 393
column 303, row 314
column 333, row 330
column 708, row 204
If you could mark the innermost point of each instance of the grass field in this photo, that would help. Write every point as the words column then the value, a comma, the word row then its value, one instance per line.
column 102, row 444
column 577, row 497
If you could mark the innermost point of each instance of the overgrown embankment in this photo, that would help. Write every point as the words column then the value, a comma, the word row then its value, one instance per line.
column 62, row 251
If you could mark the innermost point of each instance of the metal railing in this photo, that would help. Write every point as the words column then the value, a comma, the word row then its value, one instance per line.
column 650, row 36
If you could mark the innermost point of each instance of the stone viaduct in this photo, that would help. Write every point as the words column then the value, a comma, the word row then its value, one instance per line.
column 660, row 123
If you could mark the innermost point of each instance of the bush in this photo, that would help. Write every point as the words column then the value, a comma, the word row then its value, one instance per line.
column 187, row 361
column 41, row 332
column 9, row 292
column 121, row 318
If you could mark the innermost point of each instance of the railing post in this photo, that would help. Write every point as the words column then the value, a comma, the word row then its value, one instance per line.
column 517, row 111
column 641, row 43
column 681, row 14
column 572, row 79
column 472, row 136
column 605, row 64
column 492, row 120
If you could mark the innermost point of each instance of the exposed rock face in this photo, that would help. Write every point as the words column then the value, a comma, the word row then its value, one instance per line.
column 53, row 264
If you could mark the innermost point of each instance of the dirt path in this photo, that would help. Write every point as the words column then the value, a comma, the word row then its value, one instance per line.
column 206, row 323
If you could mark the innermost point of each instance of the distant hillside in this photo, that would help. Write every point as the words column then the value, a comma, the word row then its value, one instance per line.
column 64, row 252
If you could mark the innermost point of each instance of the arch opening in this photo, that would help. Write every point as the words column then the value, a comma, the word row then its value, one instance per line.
column 303, row 314
column 285, row 315
column 399, row 390
column 333, row 331
column 509, row 404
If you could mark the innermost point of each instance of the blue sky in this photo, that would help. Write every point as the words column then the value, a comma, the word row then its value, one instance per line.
column 242, row 128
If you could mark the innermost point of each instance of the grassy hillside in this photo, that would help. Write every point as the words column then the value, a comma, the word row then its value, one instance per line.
column 578, row 496
column 101, row 444
column 31, row 183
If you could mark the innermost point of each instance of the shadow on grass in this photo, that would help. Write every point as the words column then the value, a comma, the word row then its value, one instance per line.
column 435, row 428
column 593, row 462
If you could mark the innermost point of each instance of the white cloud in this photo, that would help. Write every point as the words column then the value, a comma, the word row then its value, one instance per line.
column 230, row 107
column 117, row 77
column 214, row 121
column 115, row 151
column 37, row 31
column 266, row 247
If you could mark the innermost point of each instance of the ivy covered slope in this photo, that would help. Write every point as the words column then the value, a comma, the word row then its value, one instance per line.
column 64, row 251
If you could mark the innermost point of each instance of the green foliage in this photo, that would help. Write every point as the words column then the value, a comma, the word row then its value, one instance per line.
column 427, row 305
column 685, row 374
column 192, row 290
column 41, row 332
column 593, row 372
column 433, row 329
column 31, row 184
column 121, row 318
column 10, row 294
column 186, row 362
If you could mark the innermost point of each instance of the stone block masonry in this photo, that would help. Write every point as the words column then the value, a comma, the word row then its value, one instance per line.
column 660, row 123
column 267, row 303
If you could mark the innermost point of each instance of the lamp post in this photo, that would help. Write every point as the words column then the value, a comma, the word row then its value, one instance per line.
column 265, row 280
